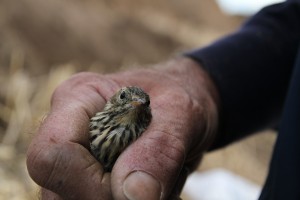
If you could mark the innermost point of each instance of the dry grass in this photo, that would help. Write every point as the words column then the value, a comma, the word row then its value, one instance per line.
column 43, row 43
column 25, row 102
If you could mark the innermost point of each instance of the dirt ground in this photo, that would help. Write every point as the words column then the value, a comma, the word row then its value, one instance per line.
column 43, row 43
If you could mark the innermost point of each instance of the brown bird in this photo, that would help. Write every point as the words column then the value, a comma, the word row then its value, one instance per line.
column 125, row 116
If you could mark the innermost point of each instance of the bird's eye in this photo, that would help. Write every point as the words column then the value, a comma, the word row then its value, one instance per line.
column 122, row 95
column 148, row 102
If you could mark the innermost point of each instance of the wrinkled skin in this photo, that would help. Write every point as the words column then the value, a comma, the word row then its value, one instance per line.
column 184, row 108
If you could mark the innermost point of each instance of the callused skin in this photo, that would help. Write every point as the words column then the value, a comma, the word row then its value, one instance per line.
column 184, row 105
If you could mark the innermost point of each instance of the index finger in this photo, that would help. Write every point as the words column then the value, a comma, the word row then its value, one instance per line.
column 58, row 157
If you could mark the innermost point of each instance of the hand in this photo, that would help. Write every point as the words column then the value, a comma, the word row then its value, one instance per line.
column 184, row 109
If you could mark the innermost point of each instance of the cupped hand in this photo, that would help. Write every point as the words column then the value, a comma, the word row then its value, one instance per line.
column 184, row 109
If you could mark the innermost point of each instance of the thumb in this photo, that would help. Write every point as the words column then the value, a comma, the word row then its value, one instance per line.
column 148, row 169
column 151, row 167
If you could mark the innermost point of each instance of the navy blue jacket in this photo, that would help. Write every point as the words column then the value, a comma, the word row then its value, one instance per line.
column 257, row 73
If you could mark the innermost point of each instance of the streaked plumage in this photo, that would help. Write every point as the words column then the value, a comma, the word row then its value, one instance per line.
column 125, row 116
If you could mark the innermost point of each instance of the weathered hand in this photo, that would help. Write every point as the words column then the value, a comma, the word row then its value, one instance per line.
column 184, row 109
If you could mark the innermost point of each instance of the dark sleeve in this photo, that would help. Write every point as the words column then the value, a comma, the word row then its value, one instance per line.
column 252, row 68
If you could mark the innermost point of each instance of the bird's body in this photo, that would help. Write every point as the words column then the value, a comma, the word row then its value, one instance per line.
column 125, row 116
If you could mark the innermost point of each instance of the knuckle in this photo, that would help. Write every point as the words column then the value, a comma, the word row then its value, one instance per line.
column 171, row 148
column 41, row 163
column 74, row 81
column 181, row 97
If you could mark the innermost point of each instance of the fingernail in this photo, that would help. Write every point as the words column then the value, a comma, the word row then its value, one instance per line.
column 141, row 186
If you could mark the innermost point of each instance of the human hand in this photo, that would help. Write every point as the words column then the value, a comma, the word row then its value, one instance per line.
column 184, row 109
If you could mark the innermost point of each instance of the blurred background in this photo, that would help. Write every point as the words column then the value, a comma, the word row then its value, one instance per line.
column 43, row 43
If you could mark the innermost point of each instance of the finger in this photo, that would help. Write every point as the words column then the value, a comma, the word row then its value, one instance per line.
column 70, row 171
column 58, row 158
column 149, row 172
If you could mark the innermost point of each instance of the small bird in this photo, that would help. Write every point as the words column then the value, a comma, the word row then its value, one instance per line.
column 125, row 116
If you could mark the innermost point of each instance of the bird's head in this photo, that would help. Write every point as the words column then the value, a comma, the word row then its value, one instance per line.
column 131, row 98
column 131, row 104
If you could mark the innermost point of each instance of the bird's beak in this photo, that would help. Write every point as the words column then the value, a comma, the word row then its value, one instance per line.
column 136, row 102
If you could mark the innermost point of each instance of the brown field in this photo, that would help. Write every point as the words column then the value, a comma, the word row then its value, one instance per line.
column 43, row 43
